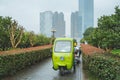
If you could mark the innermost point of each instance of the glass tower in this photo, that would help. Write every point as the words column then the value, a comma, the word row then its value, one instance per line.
column 75, row 25
column 86, row 13
column 46, row 23
column 59, row 24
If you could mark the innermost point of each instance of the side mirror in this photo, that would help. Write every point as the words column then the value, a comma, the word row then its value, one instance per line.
column 75, row 44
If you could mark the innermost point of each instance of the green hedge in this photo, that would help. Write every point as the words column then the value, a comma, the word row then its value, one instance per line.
column 10, row 64
column 104, row 67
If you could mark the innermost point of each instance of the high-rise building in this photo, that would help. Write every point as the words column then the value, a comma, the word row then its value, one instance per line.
column 75, row 25
column 46, row 23
column 86, row 13
column 49, row 21
column 59, row 24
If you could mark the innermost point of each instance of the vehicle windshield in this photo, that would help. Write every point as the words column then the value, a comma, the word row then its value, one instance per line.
column 63, row 46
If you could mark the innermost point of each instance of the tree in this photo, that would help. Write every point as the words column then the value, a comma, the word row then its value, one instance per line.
column 12, row 35
column 107, row 34
column 25, row 40
column 42, row 39
column 15, row 32
column 87, row 34
column 4, row 32
column 88, row 31
column 111, row 29
column 32, row 38
column 82, row 41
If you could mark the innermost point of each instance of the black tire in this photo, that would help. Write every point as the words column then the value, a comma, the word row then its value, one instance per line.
column 74, row 68
column 79, row 53
column 62, row 71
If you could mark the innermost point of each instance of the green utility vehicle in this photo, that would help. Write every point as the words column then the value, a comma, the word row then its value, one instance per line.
column 63, row 55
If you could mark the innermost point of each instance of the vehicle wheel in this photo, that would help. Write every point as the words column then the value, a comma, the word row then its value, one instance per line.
column 62, row 71
column 74, row 68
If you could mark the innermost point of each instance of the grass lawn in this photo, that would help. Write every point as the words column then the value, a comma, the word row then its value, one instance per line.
column 116, row 51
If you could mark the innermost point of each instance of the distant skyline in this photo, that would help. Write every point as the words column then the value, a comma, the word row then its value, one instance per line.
column 26, row 12
column 52, row 20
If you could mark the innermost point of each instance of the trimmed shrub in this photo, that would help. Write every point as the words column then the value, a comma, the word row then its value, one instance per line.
column 105, row 67
column 10, row 64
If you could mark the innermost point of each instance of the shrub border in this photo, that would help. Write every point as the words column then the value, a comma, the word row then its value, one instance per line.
column 103, row 66
column 10, row 64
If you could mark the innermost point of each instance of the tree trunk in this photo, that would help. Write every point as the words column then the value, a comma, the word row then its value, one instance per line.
column 16, row 33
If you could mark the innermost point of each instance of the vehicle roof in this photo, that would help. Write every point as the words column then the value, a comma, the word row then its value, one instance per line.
column 71, row 39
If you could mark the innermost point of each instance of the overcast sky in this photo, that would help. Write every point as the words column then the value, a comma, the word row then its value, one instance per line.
column 27, row 12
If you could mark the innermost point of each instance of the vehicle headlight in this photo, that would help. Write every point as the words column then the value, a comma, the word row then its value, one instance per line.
column 61, row 58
